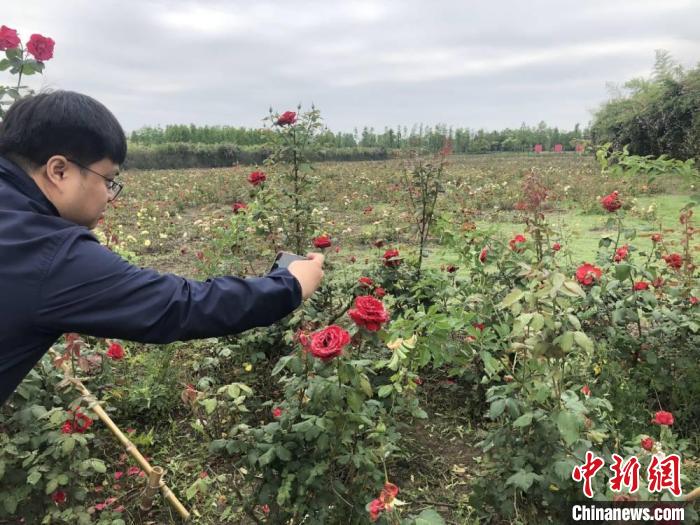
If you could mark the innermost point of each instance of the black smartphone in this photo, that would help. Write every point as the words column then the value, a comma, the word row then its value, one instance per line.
column 284, row 259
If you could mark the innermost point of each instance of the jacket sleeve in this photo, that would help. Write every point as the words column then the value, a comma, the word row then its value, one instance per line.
column 90, row 290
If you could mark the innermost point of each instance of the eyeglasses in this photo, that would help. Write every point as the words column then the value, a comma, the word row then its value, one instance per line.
column 113, row 186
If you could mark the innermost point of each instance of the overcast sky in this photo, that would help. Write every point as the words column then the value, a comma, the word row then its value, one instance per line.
column 464, row 63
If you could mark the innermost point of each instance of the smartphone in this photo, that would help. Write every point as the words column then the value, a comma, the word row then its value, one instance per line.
column 284, row 259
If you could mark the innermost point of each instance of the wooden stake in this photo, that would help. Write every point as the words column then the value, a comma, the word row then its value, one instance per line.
column 94, row 405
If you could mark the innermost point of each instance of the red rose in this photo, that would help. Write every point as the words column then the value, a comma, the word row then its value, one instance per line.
column 277, row 412
column 67, row 427
column 611, row 202
column 41, row 47
column 556, row 247
column 641, row 285
column 663, row 418
column 585, row 390
column 79, row 423
column 8, row 38
column 238, row 207
column 658, row 282
column 322, row 241
column 379, row 291
column 265, row 508
column 329, row 342
column 353, row 259
column 256, row 178
column 115, row 351
column 365, row 282
column 367, row 210
column 484, row 253
column 587, row 273
column 693, row 300
column 59, row 496
column 479, row 326
column 621, row 253
column 390, row 258
column 200, row 255
column 133, row 471
column 515, row 242
column 388, row 493
column 118, row 475
column 287, row 118
column 368, row 313
column 674, row 260
column 451, row 268
column 657, row 237
column 647, row 443
column 375, row 508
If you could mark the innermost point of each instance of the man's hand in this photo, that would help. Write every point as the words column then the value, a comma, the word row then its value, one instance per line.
column 308, row 273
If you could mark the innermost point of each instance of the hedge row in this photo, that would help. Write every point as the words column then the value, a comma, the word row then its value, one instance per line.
column 177, row 155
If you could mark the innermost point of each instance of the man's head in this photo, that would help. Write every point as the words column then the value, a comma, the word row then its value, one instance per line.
column 72, row 147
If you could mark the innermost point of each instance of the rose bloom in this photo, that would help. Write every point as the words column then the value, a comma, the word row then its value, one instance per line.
column 479, row 326
column 641, row 285
column 329, row 342
column 647, row 443
column 611, row 202
column 663, row 418
column 379, row 291
column 657, row 237
column 365, row 281
column 587, row 273
column 287, row 118
column 276, row 412
column 388, row 493
column 451, row 268
column 79, row 423
column 368, row 313
column 115, row 351
column 41, row 47
column 58, row 497
column 390, row 258
column 693, row 300
column 238, row 207
column 585, row 390
column 375, row 508
column 8, row 38
column 256, row 178
column 322, row 241
column 621, row 254
column 556, row 247
column 673, row 260
column 515, row 241
column 658, row 282
column 484, row 253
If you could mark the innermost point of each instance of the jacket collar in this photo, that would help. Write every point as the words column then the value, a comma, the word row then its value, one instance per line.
column 18, row 178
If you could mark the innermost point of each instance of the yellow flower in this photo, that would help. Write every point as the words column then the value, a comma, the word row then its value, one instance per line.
column 597, row 369
column 147, row 242
column 247, row 367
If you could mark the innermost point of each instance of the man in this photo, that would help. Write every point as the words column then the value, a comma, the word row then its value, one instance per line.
column 59, row 156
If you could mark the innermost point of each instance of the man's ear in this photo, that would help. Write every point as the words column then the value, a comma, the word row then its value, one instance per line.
column 56, row 167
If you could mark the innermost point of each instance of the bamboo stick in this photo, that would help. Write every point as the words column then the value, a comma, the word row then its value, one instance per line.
column 154, row 479
column 94, row 405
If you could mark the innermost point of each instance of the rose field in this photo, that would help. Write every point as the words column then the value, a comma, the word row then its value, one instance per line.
column 484, row 322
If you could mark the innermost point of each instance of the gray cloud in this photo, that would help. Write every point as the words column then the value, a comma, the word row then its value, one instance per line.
column 362, row 62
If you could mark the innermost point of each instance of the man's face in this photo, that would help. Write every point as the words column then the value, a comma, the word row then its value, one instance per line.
column 81, row 195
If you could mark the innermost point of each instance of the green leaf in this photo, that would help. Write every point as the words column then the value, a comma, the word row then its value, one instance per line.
column 523, row 421
column 4, row 64
column 563, row 468
column 572, row 289
column 522, row 479
column 281, row 364
column 511, row 298
column 98, row 466
column 366, row 386
column 267, row 457
column 565, row 341
column 583, row 341
column 68, row 445
column 622, row 271
column 283, row 453
column 34, row 477
column 568, row 427
column 497, row 408
column 209, row 405
column 385, row 390
column 429, row 517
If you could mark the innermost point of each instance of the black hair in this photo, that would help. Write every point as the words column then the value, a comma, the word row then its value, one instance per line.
column 61, row 123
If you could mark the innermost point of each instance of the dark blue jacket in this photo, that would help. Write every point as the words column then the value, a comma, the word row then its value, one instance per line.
column 55, row 278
